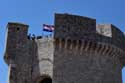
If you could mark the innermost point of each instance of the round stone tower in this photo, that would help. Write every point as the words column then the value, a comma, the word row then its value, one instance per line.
column 86, row 52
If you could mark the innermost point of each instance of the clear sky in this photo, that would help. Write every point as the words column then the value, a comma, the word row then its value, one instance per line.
column 37, row 12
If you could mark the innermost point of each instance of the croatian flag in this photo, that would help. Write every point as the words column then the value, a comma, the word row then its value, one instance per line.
column 48, row 28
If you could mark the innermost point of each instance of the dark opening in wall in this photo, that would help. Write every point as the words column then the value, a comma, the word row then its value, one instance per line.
column 17, row 28
column 46, row 80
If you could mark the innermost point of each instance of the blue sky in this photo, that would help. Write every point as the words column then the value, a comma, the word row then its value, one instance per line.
column 37, row 12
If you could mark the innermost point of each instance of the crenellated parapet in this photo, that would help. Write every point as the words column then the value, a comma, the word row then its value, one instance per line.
column 85, row 35
column 86, row 52
column 110, row 34
column 74, row 27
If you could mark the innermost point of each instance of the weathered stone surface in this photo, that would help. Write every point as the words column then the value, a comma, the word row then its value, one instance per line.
column 80, row 52
column 83, row 55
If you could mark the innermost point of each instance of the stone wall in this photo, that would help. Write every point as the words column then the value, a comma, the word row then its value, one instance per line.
column 28, row 59
column 84, row 65
column 17, row 53
column 44, row 56
column 85, row 55
column 74, row 27
column 81, row 51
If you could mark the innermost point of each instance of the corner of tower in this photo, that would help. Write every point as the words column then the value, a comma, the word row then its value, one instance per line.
column 16, row 35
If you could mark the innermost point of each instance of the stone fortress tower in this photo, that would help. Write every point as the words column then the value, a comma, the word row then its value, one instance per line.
column 80, row 52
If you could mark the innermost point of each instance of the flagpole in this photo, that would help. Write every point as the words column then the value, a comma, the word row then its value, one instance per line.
column 42, row 32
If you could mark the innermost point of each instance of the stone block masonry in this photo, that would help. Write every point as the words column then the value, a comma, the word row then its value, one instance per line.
column 80, row 52
column 86, row 52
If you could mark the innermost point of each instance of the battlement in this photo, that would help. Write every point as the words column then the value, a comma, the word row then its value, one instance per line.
column 82, row 32
column 87, row 52
column 111, row 34
column 74, row 27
